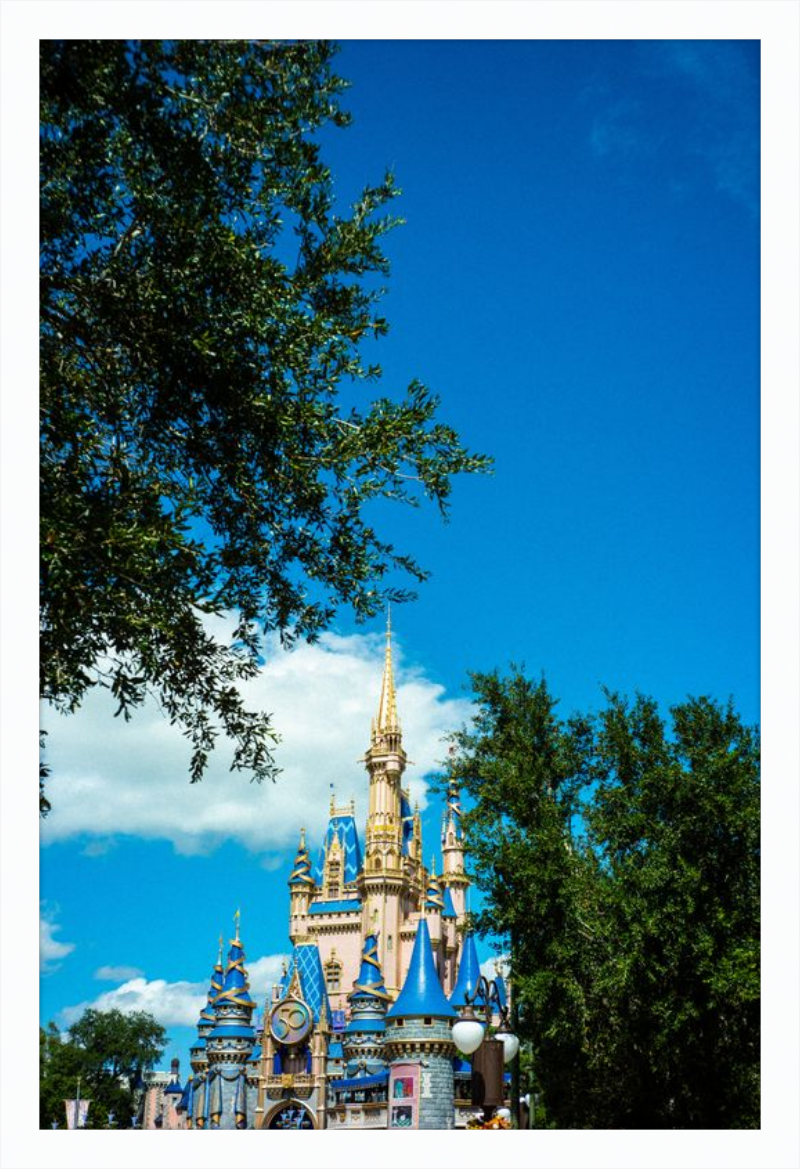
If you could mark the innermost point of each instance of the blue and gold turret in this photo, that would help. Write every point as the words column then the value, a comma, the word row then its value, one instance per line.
column 191, row 1101
column 364, row 1034
column 229, row 1045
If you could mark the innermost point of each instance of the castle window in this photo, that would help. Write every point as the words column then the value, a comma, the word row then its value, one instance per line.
column 334, row 877
column 428, row 1022
column 333, row 976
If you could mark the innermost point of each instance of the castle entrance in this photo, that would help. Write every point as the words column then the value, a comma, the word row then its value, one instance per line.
column 291, row 1115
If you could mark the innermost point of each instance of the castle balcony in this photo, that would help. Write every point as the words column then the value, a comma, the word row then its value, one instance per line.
column 361, row 1116
column 300, row 1085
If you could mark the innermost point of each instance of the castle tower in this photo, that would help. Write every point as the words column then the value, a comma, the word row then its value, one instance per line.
column 195, row 1089
column 294, row 1049
column 434, row 906
column 230, row 1045
column 453, row 876
column 383, row 881
column 363, row 1039
column 173, row 1093
column 420, row 1045
column 301, row 890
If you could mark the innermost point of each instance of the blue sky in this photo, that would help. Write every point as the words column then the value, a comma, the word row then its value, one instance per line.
column 578, row 278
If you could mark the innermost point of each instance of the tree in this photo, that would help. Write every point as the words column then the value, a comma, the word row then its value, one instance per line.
column 206, row 447
column 621, row 859
column 109, row 1051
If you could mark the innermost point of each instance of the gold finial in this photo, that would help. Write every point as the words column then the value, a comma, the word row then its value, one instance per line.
column 302, row 838
column 433, row 866
column 236, row 917
column 221, row 947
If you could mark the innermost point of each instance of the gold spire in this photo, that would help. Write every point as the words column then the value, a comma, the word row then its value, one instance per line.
column 386, row 720
column 236, row 917
column 221, row 947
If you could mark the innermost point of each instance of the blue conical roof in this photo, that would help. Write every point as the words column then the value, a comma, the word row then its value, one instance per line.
column 235, row 988
column 422, row 992
column 208, row 1015
column 469, row 972
column 370, row 979
column 449, row 909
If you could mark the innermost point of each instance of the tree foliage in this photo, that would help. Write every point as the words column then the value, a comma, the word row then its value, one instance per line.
column 620, row 855
column 109, row 1051
column 207, row 443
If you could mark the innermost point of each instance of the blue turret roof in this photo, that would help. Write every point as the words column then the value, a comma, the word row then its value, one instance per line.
column 449, row 908
column 501, row 990
column 370, row 979
column 208, row 1015
column 341, row 827
column 185, row 1103
column 422, row 992
column 235, row 987
column 469, row 972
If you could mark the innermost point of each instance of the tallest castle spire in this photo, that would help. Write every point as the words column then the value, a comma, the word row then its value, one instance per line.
column 382, row 880
column 386, row 722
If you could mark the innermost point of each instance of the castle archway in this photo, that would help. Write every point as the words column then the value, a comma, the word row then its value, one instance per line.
column 290, row 1114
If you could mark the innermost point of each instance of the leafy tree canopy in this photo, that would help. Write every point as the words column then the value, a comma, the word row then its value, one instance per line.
column 620, row 855
column 207, row 445
column 109, row 1051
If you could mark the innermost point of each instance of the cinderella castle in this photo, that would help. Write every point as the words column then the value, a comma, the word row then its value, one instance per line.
column 357, row 1034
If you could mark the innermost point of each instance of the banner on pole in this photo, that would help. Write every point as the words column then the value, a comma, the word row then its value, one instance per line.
column 77, row 1111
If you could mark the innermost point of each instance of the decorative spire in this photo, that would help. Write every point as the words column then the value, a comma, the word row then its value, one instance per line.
column 208, row 1016
column 301, row 873
column 433, row 898
column 422, row 992
column 386, row 721
column 235, row 988
column 452, row 816
column 370, row 978
column 469, row 972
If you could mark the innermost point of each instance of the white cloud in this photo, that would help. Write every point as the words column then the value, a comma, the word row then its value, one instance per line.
column 51, row 951
column 497, row 964
column 111, row 777
column 117, row 973
column 173, row 1004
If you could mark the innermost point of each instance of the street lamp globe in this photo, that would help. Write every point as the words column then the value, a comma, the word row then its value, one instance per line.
column 510, row 1045
column 468, row 1035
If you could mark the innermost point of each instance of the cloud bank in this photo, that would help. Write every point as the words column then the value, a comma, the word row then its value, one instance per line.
column 111, row 777
column 173, row 1004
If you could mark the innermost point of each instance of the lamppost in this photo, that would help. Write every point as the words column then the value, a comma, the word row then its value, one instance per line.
column 489, row 1055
